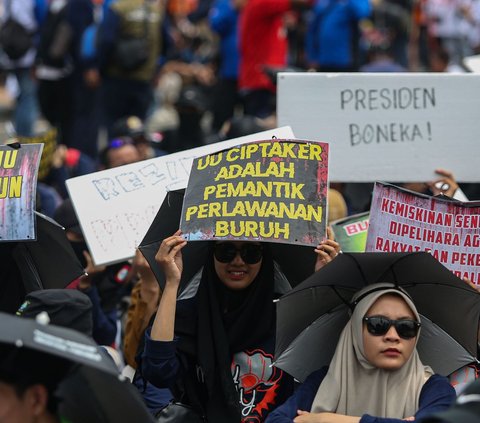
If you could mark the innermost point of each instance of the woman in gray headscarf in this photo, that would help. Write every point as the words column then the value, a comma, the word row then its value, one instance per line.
column 375, row 375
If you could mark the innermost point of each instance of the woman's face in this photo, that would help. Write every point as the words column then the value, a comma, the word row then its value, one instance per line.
column 237, row 273
column 388, row 351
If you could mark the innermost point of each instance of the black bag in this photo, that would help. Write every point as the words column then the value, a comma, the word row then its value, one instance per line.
column 131, row 53
column 176, row 412
column 15, row 39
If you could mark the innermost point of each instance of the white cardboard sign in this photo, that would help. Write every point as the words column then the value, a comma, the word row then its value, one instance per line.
column 116, row 207
column 392, row 127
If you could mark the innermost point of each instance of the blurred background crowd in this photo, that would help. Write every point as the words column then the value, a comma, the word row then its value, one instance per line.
column 168, row 75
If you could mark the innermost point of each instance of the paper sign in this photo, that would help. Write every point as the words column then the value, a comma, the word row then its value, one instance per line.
column 18, row 185
column 390, row 127
column 351, row 232
column 273, row 190
column 116, row 207
column 404, row 221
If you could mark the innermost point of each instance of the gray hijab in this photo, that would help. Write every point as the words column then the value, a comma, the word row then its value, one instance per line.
column 355, row 387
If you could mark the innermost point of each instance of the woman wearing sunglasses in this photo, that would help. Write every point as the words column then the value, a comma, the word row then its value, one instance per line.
column 215, row 350
column 375, row 375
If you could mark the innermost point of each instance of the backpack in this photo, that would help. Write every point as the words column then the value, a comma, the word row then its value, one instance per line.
column 15, row 39
column 132, row 52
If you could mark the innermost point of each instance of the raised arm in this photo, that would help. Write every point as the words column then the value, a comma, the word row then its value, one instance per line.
column 169, row 257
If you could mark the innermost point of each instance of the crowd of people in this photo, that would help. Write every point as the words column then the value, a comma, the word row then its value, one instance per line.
column 122, row 81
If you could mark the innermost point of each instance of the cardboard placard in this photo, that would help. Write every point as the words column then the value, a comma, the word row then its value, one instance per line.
column 273, row 190
column 390, row 127
column 403, row 221
column 351, row 232
column 116, row 207
column 18, row 187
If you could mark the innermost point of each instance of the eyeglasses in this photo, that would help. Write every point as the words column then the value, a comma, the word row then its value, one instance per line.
column 380, row 325
column 225, row 252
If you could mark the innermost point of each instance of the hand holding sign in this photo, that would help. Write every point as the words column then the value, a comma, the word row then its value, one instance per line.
column 327, row 250
column 445, row 185
column 169, row 257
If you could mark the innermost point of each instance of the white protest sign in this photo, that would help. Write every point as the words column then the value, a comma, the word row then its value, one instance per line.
column 393, row 127
column 116, row 207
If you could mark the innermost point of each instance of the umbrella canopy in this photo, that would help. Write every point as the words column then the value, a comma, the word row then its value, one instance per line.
column 47, row 262
column 93, row 391
column 54, row 340
column 307, row 352
column 322, row 301
column 296, row 261
column 166, row 222
column 96, row 397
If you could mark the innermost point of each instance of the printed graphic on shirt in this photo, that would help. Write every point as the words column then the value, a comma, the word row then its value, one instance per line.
column 257, row 383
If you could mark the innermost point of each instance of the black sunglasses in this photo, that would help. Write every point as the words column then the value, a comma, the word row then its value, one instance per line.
column 225, row 252
column 380, row 325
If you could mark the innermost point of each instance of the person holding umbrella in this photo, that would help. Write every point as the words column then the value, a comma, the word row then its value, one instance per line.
column 215, row 349
column 376, row 374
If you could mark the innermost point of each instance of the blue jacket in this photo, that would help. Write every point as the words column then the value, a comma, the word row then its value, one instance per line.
column 223, row 20
column 330, row 31
column 436, row 395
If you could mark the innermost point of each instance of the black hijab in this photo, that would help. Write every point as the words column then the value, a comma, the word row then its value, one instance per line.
column 228, row 322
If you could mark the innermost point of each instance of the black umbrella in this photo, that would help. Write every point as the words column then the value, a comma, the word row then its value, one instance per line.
column 296, row 261
column 93, row 391
column 47, row 262
column 449, row 303
column 95, row 397
column 166, row 222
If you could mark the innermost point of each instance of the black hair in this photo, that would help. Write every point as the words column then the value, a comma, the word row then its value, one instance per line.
column 22, row 368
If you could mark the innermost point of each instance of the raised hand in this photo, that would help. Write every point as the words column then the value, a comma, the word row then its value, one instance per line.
column 169, row 257
column 327, row 250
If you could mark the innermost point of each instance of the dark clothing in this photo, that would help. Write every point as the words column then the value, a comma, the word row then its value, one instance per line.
column 437, row 394
column 104, row 321
column 128, row 92
column 252, row 374
column 220, row 359
column 125, row 97
column 127, row 19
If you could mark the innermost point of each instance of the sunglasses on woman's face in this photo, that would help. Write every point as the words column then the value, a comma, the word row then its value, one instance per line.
column 380, row 325
column 225, row 252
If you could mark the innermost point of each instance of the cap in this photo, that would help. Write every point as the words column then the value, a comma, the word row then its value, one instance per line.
column 130, row 126
column 65, row 307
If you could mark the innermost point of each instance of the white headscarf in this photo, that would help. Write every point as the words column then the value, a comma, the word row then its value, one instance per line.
column 355, row 387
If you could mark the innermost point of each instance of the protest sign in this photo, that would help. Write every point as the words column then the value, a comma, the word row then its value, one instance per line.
column 49, row 141
column 391, row 127
column 351, row 232
column 116, row 207
column 18, row 184
column 273, row 190
column 402, row 221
